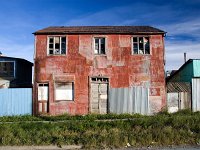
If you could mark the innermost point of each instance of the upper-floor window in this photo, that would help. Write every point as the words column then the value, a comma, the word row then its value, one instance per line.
column 99, row 45
column 56, row 45
column 141, row 45
column 6, row 69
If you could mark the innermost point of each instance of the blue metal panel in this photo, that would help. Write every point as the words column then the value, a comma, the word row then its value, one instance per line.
column 196, row 67
column 16, row 101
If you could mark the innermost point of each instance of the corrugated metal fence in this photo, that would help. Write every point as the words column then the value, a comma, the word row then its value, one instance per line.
column 129, row 100
column 196, row 94
column 15, row 101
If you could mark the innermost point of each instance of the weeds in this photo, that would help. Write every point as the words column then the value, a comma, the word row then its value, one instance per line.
column 160, row 130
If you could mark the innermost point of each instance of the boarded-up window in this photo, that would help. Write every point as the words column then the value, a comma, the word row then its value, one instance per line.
column 64, row 91
column 7, row 69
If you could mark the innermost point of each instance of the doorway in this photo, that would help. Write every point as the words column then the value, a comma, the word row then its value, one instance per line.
column 99, row 95
column 43, row 98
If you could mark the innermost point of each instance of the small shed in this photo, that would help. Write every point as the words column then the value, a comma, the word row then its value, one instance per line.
column 183, row 87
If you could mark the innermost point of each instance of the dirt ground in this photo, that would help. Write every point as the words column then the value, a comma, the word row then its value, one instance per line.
column 73, row 147
column 68, row 147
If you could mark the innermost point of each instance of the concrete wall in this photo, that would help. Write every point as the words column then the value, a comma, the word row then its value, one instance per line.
column 121, row 67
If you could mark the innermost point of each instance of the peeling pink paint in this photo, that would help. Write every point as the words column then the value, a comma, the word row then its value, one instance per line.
column 121, row 67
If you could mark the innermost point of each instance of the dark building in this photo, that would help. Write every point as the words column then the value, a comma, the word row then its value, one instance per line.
column 99, row 69
column 15, row 72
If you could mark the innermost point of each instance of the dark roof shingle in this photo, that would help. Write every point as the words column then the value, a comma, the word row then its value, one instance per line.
column 100, row 30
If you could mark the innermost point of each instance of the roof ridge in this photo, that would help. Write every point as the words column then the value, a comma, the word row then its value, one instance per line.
column 100, row 30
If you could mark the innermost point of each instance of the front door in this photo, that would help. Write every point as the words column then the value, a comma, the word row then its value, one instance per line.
column 99, row 95
column 43, row 92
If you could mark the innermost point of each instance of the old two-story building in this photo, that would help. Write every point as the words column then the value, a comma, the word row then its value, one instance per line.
column 99, row 69
column 15, row 72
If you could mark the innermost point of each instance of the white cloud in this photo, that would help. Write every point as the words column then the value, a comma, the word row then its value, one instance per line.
column 12, row 49
column 189, row 27
column 175, row 53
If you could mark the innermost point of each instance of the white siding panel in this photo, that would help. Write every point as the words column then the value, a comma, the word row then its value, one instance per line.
column 196, row 94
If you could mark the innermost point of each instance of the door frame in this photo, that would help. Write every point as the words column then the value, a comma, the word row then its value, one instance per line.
column 47, row 111
column 90, row 81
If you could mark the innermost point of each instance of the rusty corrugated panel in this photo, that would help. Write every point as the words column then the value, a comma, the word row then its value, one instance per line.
column 178, row 87
column 129, row 100
column 121, row 67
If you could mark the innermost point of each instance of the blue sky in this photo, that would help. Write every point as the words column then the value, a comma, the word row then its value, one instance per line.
column 179, row 18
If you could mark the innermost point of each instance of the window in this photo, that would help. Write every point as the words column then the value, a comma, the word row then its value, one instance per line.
column 64, row 91
column 141, row 45
column 99, row 46
column 56, row 45
column 7, row 69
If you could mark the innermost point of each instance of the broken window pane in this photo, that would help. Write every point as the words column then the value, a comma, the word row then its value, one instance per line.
column 141, row 45
column 50, row 46
column 140, row 39
column 63, row 45
column 103, row 46
column 146, row 43
column 57, row 39
column 141, row 48
column 51, row 52
column 57, row 51
column 99, row 46
column 96, row 51
column 135, row 46
column 135, row 39
column 50, row 39
column 57, row 45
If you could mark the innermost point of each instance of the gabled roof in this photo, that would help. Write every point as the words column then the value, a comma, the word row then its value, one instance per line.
column 181, row 68
column 14, row 58
column 100, row 30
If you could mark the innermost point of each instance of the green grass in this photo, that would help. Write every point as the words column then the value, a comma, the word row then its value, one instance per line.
column 162, row 129
column 68, row 117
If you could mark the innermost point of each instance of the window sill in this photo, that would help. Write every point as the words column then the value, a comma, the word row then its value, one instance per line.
column 141, row 54
column 100, row 55
column 57, row 55
column 64, row 100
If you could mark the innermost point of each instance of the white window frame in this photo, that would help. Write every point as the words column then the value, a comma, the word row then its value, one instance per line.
column 99, row 52
column 43, row 91
column 138, row 50
column 57, row 98
column 60, row 45
column 13, row 67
